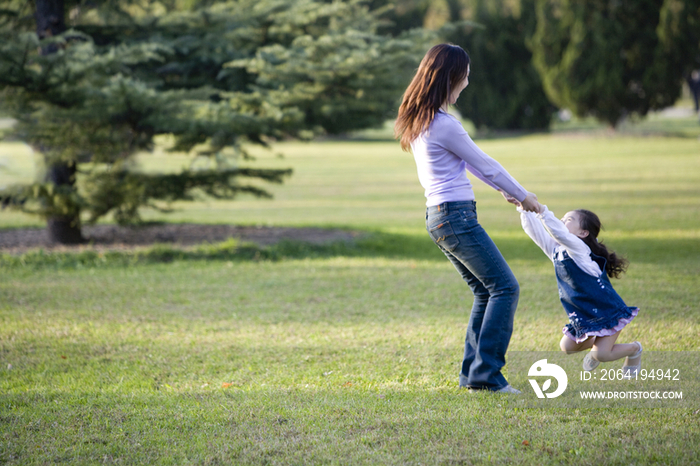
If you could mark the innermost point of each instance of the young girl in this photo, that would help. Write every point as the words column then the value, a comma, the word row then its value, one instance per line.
column 596, row 312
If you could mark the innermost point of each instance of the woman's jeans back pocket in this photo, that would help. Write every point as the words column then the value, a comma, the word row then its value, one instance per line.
column 444, row 236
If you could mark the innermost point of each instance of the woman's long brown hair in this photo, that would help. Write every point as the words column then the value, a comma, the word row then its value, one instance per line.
column 440, row 71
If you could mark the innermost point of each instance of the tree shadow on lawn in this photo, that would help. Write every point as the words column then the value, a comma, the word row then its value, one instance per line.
column 684, row 252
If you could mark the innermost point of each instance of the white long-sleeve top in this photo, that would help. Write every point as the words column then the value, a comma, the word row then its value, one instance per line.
column 444, row 152
column 550, row 234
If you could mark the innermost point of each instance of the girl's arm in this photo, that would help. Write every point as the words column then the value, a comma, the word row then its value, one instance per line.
column 535, row 230
column 574, row 246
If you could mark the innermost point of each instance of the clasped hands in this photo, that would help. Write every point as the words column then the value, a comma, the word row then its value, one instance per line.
column 529, row 204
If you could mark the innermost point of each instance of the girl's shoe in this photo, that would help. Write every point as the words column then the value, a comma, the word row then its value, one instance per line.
column 590, row 363
column 630, row 372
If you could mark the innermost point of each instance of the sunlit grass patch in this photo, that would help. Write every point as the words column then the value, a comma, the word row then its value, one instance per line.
column 344, row 353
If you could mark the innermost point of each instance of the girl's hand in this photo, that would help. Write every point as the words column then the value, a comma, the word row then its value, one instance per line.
column 511, row 199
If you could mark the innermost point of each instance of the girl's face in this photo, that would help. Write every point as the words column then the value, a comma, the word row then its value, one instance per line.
column 460, row 87
column 572, row 222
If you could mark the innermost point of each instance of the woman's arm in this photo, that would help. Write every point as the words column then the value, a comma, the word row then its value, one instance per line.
column 481, row 165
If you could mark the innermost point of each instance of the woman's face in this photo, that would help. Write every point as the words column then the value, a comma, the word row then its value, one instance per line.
column 460, row 87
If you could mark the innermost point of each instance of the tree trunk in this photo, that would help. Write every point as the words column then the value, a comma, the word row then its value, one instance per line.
column 50, row 21
column 63, row 229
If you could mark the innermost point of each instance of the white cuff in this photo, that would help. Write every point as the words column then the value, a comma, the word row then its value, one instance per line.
column 522, row 211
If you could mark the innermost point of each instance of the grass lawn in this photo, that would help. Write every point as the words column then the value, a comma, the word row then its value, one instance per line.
column 348, row 354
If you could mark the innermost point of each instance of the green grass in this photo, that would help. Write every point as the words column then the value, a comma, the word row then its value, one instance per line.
column 345, row 353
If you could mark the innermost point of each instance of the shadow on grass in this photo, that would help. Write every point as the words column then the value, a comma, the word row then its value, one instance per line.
column 371, row 245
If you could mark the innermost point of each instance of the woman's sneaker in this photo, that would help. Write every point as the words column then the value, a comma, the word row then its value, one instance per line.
column 509, row 389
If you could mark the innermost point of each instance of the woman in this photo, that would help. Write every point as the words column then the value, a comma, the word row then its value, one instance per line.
column 443, row 152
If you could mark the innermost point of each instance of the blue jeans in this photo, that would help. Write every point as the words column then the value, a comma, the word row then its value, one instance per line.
column 453, row 226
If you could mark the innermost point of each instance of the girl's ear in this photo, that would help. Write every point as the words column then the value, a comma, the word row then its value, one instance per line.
column 583, row 234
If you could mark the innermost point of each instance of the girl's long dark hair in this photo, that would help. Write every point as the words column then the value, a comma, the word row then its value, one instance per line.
column 614, row 265
column 440, row 71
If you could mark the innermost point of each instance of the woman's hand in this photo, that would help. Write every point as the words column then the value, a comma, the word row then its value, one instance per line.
column 530, row 204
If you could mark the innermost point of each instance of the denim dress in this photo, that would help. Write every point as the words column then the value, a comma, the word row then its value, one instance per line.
column 594, row 308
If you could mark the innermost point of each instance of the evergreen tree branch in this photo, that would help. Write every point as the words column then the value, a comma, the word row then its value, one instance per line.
column 124, row 192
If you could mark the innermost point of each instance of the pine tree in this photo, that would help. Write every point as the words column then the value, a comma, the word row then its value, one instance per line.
column 506, row 91
column 93, row 84
column 679, row 37
column 614, row 59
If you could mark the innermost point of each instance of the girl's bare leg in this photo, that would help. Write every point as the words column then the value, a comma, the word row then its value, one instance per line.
column 569, row 346
column 604, row 350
